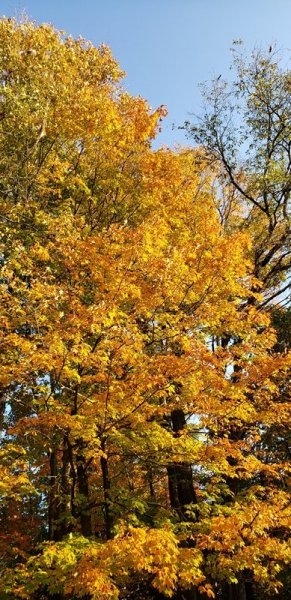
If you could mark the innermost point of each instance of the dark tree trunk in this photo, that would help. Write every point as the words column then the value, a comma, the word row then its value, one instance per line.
column 62, row 524
column 53, row 499
column 151, row 483
column 181, row 492
column 108, row 519
column 83, row 488
column 180, row 475
column 192, row 594
column 243, row 590
column 249, row 587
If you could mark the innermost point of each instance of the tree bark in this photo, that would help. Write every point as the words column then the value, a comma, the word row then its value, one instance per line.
column 181, row 492
column 62, row 525
column 108, row 519
column 53, row 500
column 83, row 488
column 180, row 475
column 243, row 590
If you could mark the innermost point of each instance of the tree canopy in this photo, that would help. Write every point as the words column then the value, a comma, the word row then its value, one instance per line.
column 144, row 391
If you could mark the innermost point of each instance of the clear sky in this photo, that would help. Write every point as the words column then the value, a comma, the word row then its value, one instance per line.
column 167, row 46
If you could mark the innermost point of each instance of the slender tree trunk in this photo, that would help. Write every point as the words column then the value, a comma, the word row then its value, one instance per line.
column 108, row 519
column 243, row 590
column 80, row 474
column 181, row 492
column 151, row 482
column 180, row 475
column 238, row 590
column 192, row 594
column 53, row 499
column 83, row 488
column 62, row 525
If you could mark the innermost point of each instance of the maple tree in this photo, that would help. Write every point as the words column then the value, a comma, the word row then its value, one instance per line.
column 119, row 285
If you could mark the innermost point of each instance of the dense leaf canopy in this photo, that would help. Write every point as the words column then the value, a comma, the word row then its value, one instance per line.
column 143, row 393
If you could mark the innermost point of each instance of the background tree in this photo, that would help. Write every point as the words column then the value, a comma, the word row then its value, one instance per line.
column 245, row 131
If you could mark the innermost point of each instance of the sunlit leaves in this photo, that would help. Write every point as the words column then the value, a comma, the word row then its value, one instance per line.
column 119, row 284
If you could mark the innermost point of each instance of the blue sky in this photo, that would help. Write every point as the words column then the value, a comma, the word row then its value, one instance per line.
column 167, row 46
